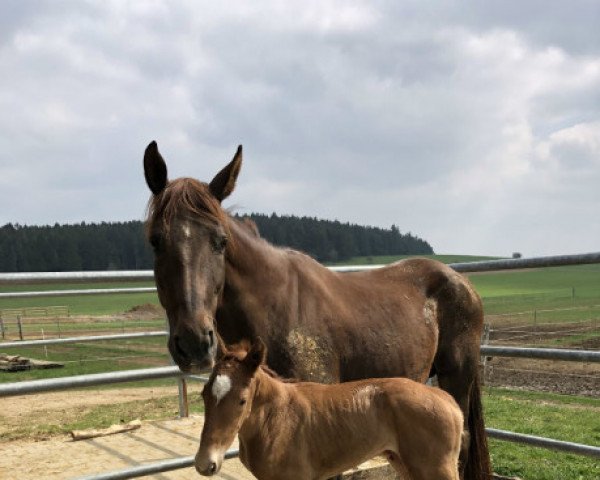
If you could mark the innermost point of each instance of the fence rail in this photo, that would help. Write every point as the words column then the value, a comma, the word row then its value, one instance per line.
column 90, row 380
column 151, row 468
column 148, row 275
column 37, row 386
column 541, row 353
column 90, row 338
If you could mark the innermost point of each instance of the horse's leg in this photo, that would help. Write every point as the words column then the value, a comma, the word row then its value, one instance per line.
column 460, row 320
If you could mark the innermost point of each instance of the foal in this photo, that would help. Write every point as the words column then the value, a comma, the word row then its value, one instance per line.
column 311, row 431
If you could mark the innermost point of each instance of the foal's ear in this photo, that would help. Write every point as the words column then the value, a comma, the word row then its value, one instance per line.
column 221, row 348
column 155, row 169
column 257, row 354
column 224, row 182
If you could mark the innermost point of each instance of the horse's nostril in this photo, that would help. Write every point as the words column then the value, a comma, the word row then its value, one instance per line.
column 211, row 338
column 180, row 351
column 213, row 468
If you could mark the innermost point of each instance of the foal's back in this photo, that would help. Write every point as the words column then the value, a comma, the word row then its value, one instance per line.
column 418, row 428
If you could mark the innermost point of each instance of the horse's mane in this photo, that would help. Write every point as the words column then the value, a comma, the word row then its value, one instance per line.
column 191, row 197
column 184, row 195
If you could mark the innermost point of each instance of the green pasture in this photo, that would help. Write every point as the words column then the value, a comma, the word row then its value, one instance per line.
column 60, row 327
column 81, row 304
column 92, row 357
column 560, row 417
column 502, row 292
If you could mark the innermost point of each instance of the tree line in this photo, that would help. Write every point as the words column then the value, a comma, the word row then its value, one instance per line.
column 123, row 246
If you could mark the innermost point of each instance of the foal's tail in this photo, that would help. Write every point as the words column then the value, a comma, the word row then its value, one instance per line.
column 478, row 465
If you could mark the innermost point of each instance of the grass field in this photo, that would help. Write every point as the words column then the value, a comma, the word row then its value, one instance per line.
column 96, row 357
column 560, row 417
column 507, row 291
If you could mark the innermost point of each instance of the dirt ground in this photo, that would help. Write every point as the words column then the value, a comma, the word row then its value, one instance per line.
column 572, row 378
column 64, row 407
column 569, row 378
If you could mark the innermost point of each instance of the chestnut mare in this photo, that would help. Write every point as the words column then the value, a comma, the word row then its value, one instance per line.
column 413, row 319
column 313, row 431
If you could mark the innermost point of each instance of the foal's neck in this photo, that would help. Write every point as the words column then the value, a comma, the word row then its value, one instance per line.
column 269, row 394
column 267, row 390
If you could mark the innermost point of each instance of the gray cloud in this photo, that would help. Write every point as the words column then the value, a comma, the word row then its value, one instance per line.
column 474, row 126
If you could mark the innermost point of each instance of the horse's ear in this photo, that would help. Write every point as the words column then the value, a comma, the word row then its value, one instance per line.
column 224, row 182
column 155, row 169
column 256, row 355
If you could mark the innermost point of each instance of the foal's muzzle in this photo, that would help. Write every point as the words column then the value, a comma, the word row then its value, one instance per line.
column 208, row 467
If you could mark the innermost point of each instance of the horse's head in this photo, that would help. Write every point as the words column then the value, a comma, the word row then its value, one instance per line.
column 227, row 396
column 187, row 229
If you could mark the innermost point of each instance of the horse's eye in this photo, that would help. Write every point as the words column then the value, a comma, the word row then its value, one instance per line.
column 242, row 401
column 219, row 243
column 155, row 241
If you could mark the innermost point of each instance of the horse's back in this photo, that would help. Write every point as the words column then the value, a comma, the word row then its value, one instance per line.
column 390, row 315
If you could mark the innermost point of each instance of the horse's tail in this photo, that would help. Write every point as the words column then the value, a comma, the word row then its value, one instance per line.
column 478, row 465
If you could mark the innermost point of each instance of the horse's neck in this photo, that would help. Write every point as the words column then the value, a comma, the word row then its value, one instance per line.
column 249, row 256
column 253, row 269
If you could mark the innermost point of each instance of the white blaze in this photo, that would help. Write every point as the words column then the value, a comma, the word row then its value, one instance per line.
column 187, row 231
column 221, row 386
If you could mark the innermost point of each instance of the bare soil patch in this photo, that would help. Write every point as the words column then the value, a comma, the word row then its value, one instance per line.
column 569, row 378
column 61, row 408
column 572, row 378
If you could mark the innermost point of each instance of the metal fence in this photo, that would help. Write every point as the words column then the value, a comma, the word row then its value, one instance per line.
column 38, row 386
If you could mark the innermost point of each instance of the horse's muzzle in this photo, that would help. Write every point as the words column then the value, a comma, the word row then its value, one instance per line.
column 192, row 351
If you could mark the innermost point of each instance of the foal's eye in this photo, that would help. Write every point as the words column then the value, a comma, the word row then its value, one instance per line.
column 242, row 401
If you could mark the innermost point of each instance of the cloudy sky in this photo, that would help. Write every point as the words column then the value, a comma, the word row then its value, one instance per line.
column 475, row 125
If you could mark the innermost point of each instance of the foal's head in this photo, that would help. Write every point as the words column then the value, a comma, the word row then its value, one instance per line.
column 227, row 399
column 187, row 229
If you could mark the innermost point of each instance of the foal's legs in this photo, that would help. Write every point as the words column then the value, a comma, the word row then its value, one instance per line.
column 421, row 468
column 398, row 465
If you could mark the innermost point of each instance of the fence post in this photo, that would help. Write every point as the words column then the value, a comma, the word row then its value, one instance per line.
column 45, row 348
column 181, row 384
column 2, row 326
column 485, row 339
column 20, row 327
column 184, row 408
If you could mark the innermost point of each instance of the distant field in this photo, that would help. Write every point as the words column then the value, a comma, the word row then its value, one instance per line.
column 547, row 292
column 81, row 304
